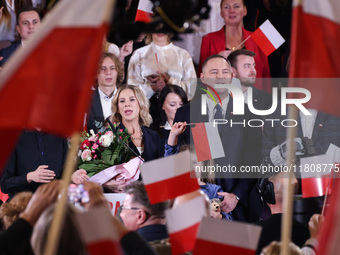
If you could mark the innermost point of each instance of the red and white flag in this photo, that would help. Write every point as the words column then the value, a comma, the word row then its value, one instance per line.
column 226, row 237
column 183, row 223
column 98, row 232
column 144, row 11
column 207, row 141
column 315, row 52
column 317, row 172
column 267, row 38
column 169, row 177
column 47, row 83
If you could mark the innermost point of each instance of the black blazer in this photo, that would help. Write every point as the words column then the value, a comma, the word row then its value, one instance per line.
column 7, row 52
column 242, row 146
column 152, row 144
column 95, row 118
column 32, row 150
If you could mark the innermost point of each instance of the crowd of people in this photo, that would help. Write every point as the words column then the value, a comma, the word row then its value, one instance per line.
column 158, row 98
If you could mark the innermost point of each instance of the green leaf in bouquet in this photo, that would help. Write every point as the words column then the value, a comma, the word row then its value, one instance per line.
column 93, row 167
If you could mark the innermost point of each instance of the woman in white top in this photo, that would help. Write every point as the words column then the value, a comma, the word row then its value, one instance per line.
column 160, row 63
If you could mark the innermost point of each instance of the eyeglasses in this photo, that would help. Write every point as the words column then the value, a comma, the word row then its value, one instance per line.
column 129, row 208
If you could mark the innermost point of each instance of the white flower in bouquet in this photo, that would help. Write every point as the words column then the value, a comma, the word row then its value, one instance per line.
column 106, row 140
column 86, row 155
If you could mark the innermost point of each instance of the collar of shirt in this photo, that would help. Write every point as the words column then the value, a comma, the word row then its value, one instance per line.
column 308, row 122
column 105, row 97
column 212, row 110
column 106, row 103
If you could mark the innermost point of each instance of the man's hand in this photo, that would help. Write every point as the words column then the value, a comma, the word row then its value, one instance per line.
column 79, row 176
column 314, row 225
column 158, row 85
column 41, row 175
column 229, row 201
column 45, row 195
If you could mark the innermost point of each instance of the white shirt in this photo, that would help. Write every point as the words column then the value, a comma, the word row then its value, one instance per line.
column 172, row 59
column 212, row 110
column 106, row 103
column 308, row 122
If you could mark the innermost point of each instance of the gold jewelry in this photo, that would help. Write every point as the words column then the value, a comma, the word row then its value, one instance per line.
column 138, row 138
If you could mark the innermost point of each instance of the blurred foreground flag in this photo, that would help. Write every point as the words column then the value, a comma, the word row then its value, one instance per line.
column 318, row 172
column 144, row 11
column 315, row 52
column 226, row 237
column 98, row 232
column 169, row 177
column 183, row 222
column 47, row 84
column 207, row 141
column 267, row 38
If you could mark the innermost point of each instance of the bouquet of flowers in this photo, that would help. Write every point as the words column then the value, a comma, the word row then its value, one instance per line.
column 102, row 150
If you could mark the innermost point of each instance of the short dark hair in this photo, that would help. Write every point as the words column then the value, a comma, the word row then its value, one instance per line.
column 233, row 56
column 27, row 9
column 214, row 56
column 139, row 195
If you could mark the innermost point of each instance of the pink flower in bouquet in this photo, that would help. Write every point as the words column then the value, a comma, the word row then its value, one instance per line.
column 93, row 139
column 121, row 130
column 109, row 133
column 85, row 144
column 95, row 146
column 86, row 155
column 105, row 140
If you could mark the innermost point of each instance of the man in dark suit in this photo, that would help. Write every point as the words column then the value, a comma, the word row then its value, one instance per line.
column 243, row 64
column 241, row 143
column 28, row 21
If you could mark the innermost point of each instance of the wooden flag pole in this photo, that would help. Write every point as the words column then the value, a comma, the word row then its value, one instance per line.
column 287, row 215
column 59, row 212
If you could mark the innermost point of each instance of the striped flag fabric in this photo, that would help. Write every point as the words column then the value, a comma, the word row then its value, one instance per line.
column 207, row 141
column 317, row 172
column 144, row 11
column 99, row 236
column 183, row 222
column 267, row 38
column 315, row 52
column 169, row 177
column 47, row 84
column 226, row 237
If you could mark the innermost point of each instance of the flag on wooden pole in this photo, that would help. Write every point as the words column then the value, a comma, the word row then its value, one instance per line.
column 144, row 11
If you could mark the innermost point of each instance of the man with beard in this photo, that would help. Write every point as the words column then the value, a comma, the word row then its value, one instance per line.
column 243, row 64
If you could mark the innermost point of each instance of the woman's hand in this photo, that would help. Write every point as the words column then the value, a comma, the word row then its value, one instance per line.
column 177, row 129
column 79, row 176
column 126, row 50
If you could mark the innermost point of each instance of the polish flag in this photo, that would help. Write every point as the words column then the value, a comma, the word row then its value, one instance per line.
column 169, row 177
column 47, row 83
column 183, row 223
column 98, row 232
column 226, row 237
column 267, row 38
column 144, row 11
column 317, row 172
column 207, row 141
column 315, row 52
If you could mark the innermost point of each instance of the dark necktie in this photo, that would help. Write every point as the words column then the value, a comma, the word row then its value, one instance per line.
column 218, row 115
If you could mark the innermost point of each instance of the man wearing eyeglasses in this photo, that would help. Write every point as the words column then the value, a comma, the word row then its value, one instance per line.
column 139, row 215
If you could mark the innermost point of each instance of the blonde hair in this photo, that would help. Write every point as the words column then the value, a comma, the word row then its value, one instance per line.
column 144, row 115
column 148, row 38
column 119, row 67
column 11, row 210
column 6, row 16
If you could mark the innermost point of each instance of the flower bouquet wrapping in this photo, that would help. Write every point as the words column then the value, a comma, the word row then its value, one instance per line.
column 106, row 151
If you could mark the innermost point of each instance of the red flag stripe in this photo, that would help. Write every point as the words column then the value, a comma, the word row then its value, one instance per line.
column 203, row 247
column 143, row 16
column 104, row 247
column 200, row 138
column 263, row 42
column 171, row 188
column 315, row 187
column 184, row 240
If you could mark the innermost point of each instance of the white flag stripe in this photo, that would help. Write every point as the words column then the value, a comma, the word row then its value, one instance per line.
column 272, row 34
column 185, row 215
column 165, row 168
column 145, row 5
column 50, row 22
column 214, row 139
column 90, row 17
column 328, row 9
column 334, row 153
column 229, row 233
column 94, row 225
